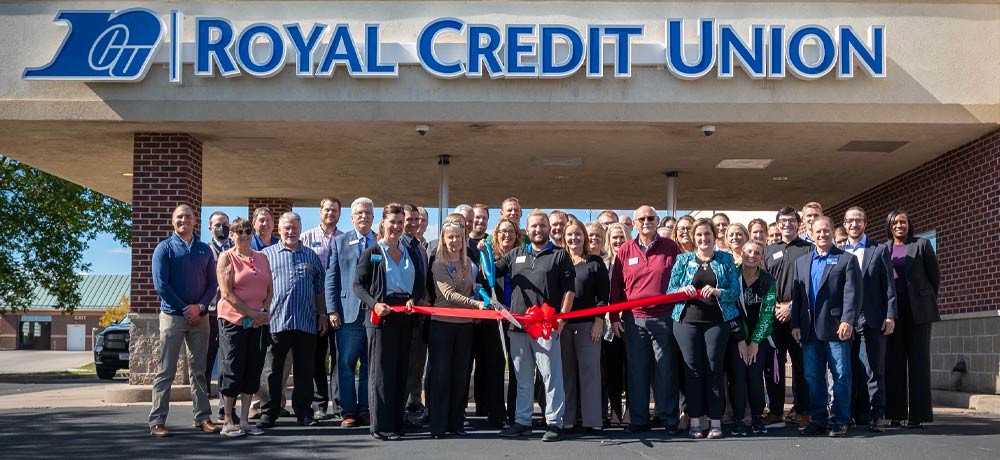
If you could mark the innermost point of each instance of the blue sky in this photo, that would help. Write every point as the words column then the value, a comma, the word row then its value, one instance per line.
column 107, row 257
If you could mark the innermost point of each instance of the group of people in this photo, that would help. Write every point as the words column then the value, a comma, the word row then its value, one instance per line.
column 854, row 316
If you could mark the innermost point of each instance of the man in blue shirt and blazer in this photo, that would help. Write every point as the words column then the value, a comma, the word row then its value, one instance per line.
column 343, row 308
column 826, row 295
column 876, row 320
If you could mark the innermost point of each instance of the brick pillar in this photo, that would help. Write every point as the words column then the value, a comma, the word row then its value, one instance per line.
column 278, row 206
column 166, row 170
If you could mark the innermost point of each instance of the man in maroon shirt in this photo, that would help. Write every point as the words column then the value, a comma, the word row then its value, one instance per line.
column 642, row 269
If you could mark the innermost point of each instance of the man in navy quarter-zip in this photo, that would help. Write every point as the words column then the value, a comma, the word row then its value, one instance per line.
column 184, row 277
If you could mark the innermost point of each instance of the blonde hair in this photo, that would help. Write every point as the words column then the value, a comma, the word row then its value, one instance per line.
column 518, row 236
column 609, row 251
column 746, row 235
column 452, row 222
column 597, row 228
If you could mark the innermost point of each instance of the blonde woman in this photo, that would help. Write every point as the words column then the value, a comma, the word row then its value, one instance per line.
column 449, row 353
column 595, row 239
column 682, row 234
column 617, row 236
column 613, row 359
column 736, row 236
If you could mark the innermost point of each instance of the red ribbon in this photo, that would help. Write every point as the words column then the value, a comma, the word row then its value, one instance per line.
column 540, row 321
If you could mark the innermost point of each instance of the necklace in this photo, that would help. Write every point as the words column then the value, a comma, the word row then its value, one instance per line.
column 704, row 263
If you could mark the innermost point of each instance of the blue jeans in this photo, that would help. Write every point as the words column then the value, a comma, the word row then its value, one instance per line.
column 352, row 342
column 817, row 356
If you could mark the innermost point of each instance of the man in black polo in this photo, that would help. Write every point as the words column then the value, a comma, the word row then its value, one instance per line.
column 779, row 261
column 539, row 273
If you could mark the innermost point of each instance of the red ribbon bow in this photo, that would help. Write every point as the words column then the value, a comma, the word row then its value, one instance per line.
column 539, row 322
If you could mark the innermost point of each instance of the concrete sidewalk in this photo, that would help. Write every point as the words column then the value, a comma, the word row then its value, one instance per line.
column 37, row 361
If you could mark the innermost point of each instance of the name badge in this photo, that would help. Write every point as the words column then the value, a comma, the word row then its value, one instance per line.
column 633, row 261
column 832, row 261
column 778, row 255
column 520, row 259
column 315, row 244
column 376, row 258
column 353, row 242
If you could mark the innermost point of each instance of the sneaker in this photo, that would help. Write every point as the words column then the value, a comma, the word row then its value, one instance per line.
column 838, row 431
column 308, row 421
column 757, row 425
column 265, row 422
column 552, row 434
column 739, row 428
column 877, row 425
column 773, row 421
column 814, row 429
column 791, row 415
column 515, row 430
column 320, row 414
column 251, row 430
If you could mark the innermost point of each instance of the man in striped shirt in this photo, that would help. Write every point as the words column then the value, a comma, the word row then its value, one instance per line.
column 298, row 314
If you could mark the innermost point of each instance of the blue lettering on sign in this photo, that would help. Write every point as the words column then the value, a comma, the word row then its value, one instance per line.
column 120, row 46
column 103, row 46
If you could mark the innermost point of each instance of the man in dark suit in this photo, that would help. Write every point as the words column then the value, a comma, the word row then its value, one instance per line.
column 876, row 320
column 343, row 308
column 826, row 294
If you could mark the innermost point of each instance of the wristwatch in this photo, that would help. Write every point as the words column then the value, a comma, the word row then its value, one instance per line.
column 204, row 309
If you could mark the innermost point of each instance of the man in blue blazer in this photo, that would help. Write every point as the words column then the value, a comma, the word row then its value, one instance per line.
column 826, row 295
column 343, row 308
column 876, row 320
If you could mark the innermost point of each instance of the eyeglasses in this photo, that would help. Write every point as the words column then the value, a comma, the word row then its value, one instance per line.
column 246, row 232
column 646, row 218
column 506, row 232
column 453, row 224
column 788, row 221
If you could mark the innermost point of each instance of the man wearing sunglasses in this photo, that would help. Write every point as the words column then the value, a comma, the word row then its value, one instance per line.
column 642, row 269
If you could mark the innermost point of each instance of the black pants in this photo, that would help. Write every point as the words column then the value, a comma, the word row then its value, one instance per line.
column 908, row 368
column 487, row 350
column 784, row 346
column 303, row 347
column 613, row 376
column 324, row 343
column 388, row 363
column 703, row 347
column 243, row 355
column 868, row 371
column 448, row 359
column 213, row 351
column 746, row 381
column 511, row 380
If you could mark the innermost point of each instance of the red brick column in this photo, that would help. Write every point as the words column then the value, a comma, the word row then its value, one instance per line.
column 278, row 206
column 166, row 170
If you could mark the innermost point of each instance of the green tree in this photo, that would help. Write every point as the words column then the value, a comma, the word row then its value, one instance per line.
column 46, row 223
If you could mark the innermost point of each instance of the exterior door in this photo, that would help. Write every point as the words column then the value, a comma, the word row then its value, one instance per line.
column 76, row 337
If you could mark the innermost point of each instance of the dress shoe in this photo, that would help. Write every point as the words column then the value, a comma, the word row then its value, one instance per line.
column 804, row 421
column 385, row 436
column 913, row 425
column 877, row 425
column 672, row 430
column 437, row 436
column 774, row 421
column 365, row 420
column 349, row 421
column 266, row 422
column 814, row 429
column 159, row 431
column 208, row 427
column 459, row 433
column 638, row 428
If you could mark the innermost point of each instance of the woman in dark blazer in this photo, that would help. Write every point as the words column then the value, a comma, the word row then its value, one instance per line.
column 387, row 276
column 908, row 348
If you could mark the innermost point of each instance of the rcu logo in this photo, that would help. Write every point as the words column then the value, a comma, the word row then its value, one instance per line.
column 103, row 46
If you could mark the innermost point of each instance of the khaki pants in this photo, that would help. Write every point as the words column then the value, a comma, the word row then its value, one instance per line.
column 174, row 332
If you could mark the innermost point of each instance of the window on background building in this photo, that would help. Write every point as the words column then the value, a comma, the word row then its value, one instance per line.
column 930, row 235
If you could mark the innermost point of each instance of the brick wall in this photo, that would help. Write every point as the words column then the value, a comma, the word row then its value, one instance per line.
column 278, row 206
column 958, row 195
column 166, row 170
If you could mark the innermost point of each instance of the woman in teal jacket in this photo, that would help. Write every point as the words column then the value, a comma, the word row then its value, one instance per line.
column 703, row 326
column 745, row 358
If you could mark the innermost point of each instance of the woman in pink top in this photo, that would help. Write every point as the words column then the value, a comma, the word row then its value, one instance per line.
column 244, row 296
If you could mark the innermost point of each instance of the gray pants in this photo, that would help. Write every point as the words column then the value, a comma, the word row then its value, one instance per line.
column 581, row 358
column 174, row 332
column 546, row 354
column 649, row 339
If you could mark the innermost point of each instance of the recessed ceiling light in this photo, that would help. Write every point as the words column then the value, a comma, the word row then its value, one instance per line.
column 779, row 178
column 127, row 174
column 744, row 163
column 563, row 162
column 562, row 177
